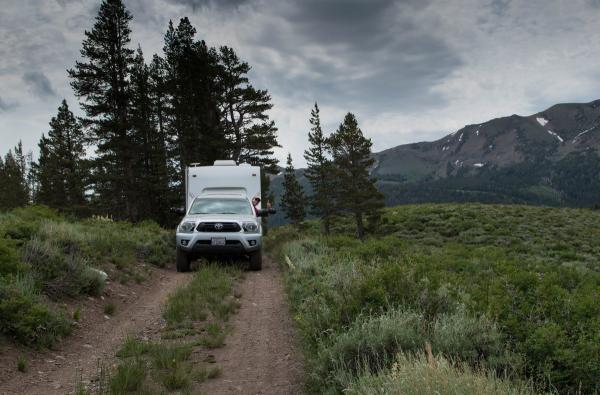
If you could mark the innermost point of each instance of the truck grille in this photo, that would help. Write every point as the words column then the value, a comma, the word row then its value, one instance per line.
column 218, row 227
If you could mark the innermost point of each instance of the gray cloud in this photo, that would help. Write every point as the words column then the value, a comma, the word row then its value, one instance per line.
column 39, row 84
column 409, row 69
column 499, row 7
column 7, row 105
column 199, row 4
column 64, row 3
column 375, row 50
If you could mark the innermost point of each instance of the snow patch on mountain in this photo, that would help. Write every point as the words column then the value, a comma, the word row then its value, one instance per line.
column 556, row 135
column 478, row 164
column 542, row 121
column 582, row 133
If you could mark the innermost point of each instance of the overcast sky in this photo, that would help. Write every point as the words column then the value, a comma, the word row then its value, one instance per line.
column 410, row 70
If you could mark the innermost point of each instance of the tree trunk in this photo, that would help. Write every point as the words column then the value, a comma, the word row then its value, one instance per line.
column 326, row 224
column 360, row 227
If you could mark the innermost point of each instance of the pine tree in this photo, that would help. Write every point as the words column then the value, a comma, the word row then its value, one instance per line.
column 292, row 200
column 13, row 172
column 192, row 84
column 151, row 166
column 319, row 171
column 355, row 189
column 24, row 161
column 61, row 167
column 101, row 81
column 251, row 134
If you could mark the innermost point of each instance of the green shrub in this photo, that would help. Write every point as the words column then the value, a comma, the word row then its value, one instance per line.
column 77, row 314
column 21, row 364
column 176, row 378
column 475, row 340
column 21, row 224
column 133, row 347
column 58, row 273
column 129, row 377
column 415, row 375
column 371, row 343
column 533, row 272
column 42, row 252
column 9, row 260
column 167, row 357
column 25, row 318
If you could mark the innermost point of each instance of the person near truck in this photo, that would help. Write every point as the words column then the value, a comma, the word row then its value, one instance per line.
column 256, row 202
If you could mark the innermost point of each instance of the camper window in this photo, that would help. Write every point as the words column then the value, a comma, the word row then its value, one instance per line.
column 221, row 206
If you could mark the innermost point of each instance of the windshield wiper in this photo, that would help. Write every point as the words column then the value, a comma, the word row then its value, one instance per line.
column 226, row 213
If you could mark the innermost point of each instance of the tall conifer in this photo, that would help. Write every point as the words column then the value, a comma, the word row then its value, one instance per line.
column 319, row 171
column 101, row 81
column 292, row 200
column 61, row 169
column 251, row 134
column 151, row 166
column 192, row 83
column 14, row 191
column 355, row 189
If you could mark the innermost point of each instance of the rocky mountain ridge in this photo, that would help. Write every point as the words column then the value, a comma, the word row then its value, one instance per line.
column 548, row 158
column 548, row 135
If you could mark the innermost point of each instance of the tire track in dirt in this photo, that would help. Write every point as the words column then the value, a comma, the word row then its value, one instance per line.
column 261, row 355
column 81, row 353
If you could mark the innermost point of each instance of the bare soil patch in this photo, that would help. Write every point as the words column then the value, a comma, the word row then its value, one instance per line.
column 95, row 339
column 261, row 355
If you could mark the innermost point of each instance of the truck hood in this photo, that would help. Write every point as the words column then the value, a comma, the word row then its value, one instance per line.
column 220, row 218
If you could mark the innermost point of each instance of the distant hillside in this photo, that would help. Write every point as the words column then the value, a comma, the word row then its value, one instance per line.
column 546, row 158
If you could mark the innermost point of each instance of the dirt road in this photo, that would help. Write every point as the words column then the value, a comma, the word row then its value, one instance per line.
column 261, row 354
column 76, row 358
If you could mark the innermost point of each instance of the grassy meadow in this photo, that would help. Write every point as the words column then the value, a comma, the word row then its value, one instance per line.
column 46, row 259
column 455, row 298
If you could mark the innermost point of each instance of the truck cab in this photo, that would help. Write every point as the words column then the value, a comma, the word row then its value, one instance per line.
column 219, row 216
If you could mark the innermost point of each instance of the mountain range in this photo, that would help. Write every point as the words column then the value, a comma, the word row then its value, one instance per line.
column 548, row 158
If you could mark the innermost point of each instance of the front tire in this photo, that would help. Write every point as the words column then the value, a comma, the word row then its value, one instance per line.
column 183, row 261
column 256, row 260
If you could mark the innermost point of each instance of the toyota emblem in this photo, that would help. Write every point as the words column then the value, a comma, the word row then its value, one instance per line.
column 218, row 226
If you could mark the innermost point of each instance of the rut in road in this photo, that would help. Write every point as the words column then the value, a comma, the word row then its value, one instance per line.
column 261, row 355
column 81, row 353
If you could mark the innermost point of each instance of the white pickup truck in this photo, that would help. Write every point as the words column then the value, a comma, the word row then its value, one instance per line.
column 219, row 217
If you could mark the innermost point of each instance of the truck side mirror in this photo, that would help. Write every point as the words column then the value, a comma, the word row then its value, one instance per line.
column 178, row 210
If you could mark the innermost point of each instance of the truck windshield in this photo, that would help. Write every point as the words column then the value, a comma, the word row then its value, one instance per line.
column 221, row 206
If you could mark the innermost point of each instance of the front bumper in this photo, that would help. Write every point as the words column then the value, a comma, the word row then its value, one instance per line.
column 236, row 243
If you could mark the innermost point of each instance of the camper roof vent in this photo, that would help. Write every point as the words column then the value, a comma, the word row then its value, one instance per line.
column 224, row 163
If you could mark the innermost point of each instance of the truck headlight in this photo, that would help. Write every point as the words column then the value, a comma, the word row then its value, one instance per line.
column 186, row 227
column 250, row 227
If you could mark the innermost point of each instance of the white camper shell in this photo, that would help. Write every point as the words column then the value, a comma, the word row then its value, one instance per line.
column 219, row 217
column 223, row 178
